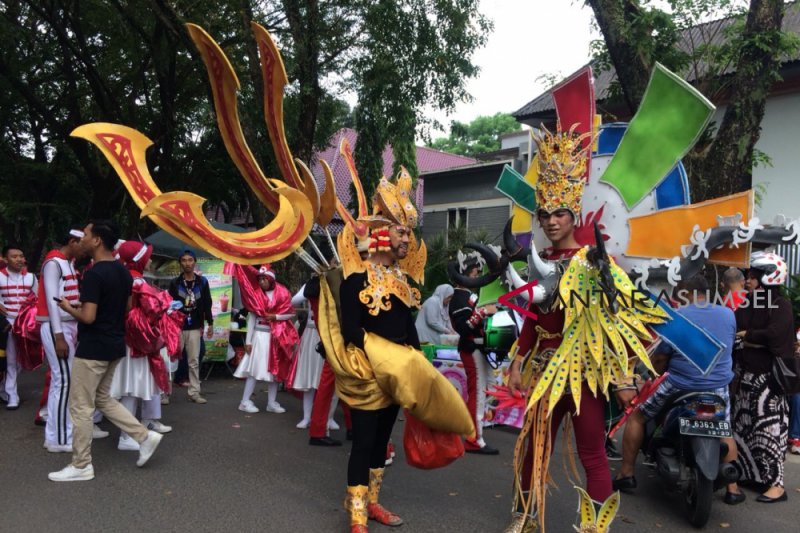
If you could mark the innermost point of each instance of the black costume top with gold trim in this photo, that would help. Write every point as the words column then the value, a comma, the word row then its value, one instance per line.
column 372, row 345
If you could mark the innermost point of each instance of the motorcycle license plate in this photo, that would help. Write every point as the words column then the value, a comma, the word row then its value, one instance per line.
column 705, row 428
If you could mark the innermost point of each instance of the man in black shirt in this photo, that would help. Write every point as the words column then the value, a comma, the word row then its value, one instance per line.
column 394, row 322
column 105, row 299
column 193, row 291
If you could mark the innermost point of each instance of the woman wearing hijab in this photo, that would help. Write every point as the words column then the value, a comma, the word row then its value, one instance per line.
column 433, row 319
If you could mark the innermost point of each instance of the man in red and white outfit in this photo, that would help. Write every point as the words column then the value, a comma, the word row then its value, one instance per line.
column 16, row 285
column 59, row 333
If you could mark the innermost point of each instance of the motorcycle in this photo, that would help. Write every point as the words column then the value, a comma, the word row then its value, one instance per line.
column 684, row 444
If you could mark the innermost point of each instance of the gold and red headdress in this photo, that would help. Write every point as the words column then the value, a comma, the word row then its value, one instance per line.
column 562, row 163
column 391, row 206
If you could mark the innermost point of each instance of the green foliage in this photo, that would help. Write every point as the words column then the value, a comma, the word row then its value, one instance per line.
column 441, row 250
column 132, row 63
column 479, row 136
column 792, row 293
column 659, row 31
column 417, row 57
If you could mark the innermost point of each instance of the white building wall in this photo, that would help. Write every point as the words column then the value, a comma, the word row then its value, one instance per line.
column 780, row 140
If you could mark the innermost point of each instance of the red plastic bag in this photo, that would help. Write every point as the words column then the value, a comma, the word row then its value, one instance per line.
column 427, row 448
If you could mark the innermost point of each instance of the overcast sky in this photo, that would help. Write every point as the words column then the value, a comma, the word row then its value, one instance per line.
column 531, row 39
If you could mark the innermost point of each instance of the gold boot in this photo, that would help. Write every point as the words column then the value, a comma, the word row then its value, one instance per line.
column 355, row 503
column 521, row 523
column 376, row 511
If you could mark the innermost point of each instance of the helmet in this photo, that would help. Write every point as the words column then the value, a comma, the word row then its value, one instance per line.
column 772, row 265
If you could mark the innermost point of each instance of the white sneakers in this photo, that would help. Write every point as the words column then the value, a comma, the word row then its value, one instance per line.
column 157, row 426
column 70, row 473
column 248, row 406
column 58, row 448
column 148, row 447
column 127, row 444
column 332, row 425
column 98, row 433
column 303, row 424
column 146, row 450
column 275, row 408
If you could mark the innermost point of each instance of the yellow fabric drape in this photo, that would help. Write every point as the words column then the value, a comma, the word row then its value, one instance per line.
column 386, row 373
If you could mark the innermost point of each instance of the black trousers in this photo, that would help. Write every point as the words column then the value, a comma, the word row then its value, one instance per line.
column 371, row 432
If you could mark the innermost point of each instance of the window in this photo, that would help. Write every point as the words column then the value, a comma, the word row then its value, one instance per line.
column 457, row 218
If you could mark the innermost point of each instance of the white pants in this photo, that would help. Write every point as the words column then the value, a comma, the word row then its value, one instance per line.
column 12, row 369
column 151, row 409
column 58, row 429
column 484, row 372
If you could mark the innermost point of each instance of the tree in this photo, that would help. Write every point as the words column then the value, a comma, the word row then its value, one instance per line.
column 636, row 35
column 481, row 135
column 417, row 56
column 133, row 63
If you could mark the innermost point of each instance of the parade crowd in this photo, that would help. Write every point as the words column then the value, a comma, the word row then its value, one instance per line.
column 108, row 338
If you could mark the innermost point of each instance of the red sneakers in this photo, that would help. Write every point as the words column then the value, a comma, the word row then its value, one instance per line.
column 794, row 446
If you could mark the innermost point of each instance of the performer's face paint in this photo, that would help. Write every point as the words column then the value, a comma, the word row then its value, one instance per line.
column 398, row 236
column 557, row 225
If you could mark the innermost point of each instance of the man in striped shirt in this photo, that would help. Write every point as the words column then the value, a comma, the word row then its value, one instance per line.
column 59, row 333
column 16, row 285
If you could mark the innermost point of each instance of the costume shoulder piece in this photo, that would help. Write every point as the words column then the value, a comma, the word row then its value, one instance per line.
column 383, row 283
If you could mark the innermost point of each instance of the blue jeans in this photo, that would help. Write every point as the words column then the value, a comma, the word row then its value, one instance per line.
column 794, row 417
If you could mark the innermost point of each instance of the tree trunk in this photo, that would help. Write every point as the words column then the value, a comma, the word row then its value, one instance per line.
column 304, row 26
column 615, row 19
column 727, row 166
column 368, row 151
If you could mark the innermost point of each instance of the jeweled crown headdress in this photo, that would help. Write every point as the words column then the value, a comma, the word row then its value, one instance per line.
column 393, row 200
column 562, row 164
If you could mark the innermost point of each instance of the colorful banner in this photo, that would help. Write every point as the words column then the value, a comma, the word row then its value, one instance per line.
column 221, row 287
column 575, row 104
column 670, row 119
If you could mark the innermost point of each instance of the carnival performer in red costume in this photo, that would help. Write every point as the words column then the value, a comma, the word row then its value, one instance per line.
column 271, row 336
column 151, row 324
column 569, row 355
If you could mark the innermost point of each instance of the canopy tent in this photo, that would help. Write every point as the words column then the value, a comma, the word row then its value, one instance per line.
column 165, row 244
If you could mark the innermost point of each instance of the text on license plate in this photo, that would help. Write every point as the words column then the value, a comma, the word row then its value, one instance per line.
column 707, row 428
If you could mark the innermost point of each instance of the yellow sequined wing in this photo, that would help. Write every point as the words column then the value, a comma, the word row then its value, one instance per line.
column 597, row 340
column 596, row 522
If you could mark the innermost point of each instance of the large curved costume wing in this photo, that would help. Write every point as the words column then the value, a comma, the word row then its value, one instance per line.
column 294, row 203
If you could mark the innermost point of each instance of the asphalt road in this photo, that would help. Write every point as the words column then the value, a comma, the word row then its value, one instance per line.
column 224, row 470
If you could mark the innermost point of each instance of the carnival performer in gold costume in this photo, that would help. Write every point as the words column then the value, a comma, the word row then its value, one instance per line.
column 372, row 344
